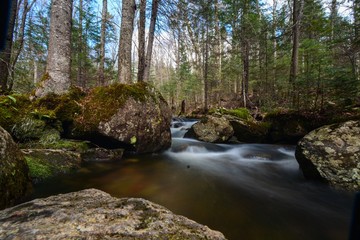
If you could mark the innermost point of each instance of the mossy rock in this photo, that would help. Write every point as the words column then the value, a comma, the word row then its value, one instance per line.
column 14, row 178
column 241, row 113
column 46, row 163
column 12, row 108
column 103, row 102
column 135, row 117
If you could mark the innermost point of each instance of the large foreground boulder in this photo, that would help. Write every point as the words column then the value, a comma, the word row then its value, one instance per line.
column 14, row 179
column 135, row 117
column 332, row 154
column 93, row 214
column 211, row 129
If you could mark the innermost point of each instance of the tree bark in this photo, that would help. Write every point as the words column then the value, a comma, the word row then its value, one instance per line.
column 297, row 10
column 141, row 52
column 57, row 76
column 5, row 55
column 80, row 50
column 245, row 48
column 125, row 45
column 102, row 44
column 154, row 10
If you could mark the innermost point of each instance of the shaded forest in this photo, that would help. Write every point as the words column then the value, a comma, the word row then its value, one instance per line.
column 299, row 54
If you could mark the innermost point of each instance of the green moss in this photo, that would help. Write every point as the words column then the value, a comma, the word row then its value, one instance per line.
column 111, row 98
column 241, row 113
column 12, row 108
column 37, row 169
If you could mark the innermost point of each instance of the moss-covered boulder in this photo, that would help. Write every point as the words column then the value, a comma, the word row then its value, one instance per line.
column 249, row 131
column 135, row 117
column 332, row 154
column 211, row 129
column 289, row 127
column 93, row 214
column 14, row 179
column 47, row 163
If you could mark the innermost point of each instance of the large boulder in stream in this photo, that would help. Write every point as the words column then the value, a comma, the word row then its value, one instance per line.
column 134, row 117
column 332, row 154
column 14, row 179
column 211, row 129
column 93, row 214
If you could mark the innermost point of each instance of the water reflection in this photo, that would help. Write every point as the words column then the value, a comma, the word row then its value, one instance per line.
column 247, row 191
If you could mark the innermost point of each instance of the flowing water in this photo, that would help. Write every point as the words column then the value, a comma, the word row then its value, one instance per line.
column 246, row 191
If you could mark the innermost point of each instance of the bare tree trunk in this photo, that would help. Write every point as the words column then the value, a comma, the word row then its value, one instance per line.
column 125, row 45
column 154, row 10
column 245, row 48
column 5, row 55
column 57, row 76
column 19, row 42
column 206, row 68
column 102, row 44
column 297, row 10
column 80, row 50
column 357, row 38
column 142, row 22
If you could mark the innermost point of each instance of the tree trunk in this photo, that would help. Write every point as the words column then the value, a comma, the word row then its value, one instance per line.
column 154, row 10
column 245, row 48
column 102, row 44
column 5, row 55
column 356, row 40
column 57, row 76
column 297, row 10
column 125, row 45
column 142, row 22
column 19, row 42
column 80, row 50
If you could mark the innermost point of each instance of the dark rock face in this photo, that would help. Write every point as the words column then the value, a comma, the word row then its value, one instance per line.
column 93, row 214
column 249, row 131
column 332, row 154
column 211, row 129
column 287, row 128
column 46, row 163
column 14, row 179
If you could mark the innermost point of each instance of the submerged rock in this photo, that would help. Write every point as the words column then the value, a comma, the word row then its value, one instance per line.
column 332, row 154
column 102, row 155
column 93, row 214
column 135, row 117
column 47, row 163
column 211, row 129
column 14, row 179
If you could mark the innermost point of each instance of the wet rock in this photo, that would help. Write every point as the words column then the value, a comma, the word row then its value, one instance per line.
column 135, row 117
column 102, row 155
column 332, row 154
column 249, row 131
column 211, row 129
column 14, row 179
column 93, row 214
column 47, row 163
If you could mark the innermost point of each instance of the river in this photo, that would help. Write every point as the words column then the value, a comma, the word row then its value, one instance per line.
column 246, row 191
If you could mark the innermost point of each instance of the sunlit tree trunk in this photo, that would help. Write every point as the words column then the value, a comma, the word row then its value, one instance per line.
column 154, row 10
column 102, row 44
column 57, row 76
column 5, row 55
column 125, row 45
